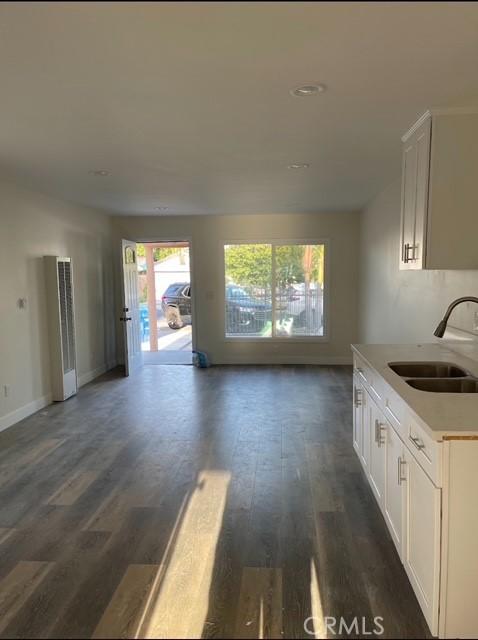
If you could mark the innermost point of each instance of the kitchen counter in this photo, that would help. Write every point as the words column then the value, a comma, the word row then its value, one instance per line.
column 440, row 414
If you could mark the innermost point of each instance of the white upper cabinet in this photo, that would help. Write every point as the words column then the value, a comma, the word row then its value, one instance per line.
column 439, row 220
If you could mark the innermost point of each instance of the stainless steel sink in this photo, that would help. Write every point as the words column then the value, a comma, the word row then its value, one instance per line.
column 427, row 370
column 445, row 385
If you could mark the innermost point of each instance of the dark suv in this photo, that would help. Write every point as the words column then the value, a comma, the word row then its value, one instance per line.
column 243, row 312
column 176, row 304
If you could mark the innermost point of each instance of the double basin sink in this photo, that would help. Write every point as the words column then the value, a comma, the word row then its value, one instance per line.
column 437, row 377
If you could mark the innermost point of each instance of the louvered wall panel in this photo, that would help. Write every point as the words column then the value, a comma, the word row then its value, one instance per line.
column 62, row 326
column 66, row 315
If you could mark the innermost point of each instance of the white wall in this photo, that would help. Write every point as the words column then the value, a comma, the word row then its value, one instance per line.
column 209, row 234
column 33, row 225
column 403, row 306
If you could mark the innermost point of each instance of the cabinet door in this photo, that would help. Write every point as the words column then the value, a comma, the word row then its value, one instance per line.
column 422, row 143
column 366, row 421
column 409, row 192
column 359, row 393
column 415, row 181
column 394, row 486
column 378, row 453
column 422, row 538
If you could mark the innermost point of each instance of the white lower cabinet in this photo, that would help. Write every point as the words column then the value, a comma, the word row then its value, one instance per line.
column 378, row 428
column 359, row 393
column 361, row 438
column 421, row 551
column 409, row 500
column 426, row 488
column 395, row 487
column 366, row 425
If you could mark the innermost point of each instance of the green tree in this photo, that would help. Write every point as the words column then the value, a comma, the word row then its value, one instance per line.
column 249, row 264
column 289, row 264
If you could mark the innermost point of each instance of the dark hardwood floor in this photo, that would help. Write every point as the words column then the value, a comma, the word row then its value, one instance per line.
column 225, row 502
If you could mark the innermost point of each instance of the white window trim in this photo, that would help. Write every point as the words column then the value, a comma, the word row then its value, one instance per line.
column 280, row 339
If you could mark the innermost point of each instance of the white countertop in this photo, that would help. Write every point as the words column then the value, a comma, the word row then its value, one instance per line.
column 441, row 414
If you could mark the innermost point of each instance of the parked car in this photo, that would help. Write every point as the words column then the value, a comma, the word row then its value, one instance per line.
column 245, row 312
column 306, row 309
column 176, row 304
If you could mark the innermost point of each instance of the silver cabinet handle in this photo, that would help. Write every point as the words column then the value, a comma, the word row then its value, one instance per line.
column 357, row 397
column 417, row 442
column 378, row 432
column 399, row 469
column 406, row 252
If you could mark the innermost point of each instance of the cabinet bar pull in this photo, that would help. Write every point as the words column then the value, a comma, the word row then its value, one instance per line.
column 378, row 432
column 360, row 372
column 399, row 468
column 417, row 442
column 357, row 397
column 407, row 247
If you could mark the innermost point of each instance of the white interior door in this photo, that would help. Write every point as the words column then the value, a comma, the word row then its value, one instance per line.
column 133, row 356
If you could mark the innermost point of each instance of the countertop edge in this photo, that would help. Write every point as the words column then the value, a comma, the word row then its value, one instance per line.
column 439, row 434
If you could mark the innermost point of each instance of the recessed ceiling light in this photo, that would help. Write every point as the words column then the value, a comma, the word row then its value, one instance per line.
column 161, row 208
column 102, row 173
column 306, row 90
column 298, row 165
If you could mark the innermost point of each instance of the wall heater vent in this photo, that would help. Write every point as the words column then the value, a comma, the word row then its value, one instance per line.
column 59, row 284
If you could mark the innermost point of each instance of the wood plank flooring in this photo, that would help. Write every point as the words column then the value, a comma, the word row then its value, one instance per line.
column 217, row 503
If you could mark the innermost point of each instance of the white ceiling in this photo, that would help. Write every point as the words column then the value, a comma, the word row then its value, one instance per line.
column 188, row 104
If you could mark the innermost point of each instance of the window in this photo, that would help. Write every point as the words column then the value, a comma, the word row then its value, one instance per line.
column 274, row 290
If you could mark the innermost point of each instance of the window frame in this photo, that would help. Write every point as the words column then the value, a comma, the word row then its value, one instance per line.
column 277, row 243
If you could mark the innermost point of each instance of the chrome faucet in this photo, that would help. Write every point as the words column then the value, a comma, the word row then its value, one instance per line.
column 441, row 328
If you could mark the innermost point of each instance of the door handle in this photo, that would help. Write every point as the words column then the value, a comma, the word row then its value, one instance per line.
column 125, row 319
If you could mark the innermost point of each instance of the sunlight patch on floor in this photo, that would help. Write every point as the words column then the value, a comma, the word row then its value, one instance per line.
column 180, row 607
column 316, row 604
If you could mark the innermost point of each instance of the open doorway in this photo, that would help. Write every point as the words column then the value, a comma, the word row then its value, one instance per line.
column 165, row 313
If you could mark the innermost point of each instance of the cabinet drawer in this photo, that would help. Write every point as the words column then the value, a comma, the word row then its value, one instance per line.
column 396, row 412
column 425, row 450
column 369, row 378
column 361, row 369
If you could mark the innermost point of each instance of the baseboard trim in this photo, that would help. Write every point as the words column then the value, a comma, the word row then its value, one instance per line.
column 94, row 373
column 298, row 360
column 23, row 412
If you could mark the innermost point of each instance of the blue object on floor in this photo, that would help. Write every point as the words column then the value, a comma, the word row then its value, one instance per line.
column 144, row 322
column 200, row 359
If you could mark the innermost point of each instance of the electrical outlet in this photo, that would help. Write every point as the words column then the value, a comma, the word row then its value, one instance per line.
column 6, row 390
